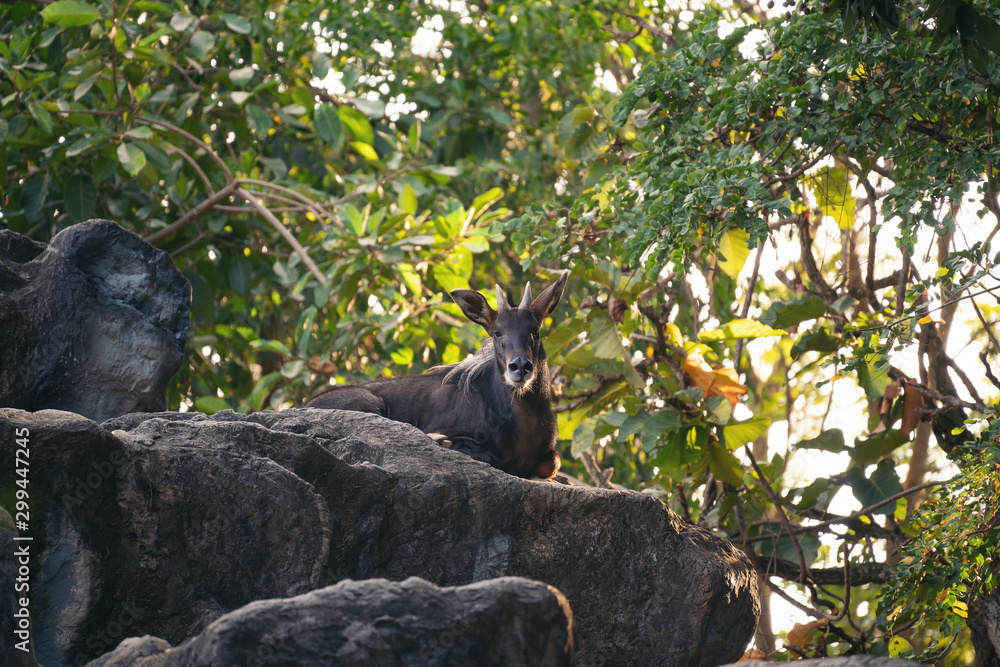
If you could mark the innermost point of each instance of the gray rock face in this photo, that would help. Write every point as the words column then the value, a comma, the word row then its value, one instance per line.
column 984, row 622
column 93, row 323
column 158, row 524
column 506, row 622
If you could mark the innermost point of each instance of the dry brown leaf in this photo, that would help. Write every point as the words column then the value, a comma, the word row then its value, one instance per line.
column 713, row 381
column 800, row 636
column 321, row 366
column 753, row 654
column 913, row 402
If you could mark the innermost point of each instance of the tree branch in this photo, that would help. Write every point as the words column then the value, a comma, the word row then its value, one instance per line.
column 287, row 235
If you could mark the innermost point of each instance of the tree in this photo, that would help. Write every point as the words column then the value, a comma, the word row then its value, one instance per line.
column 724, row 148
column 323, row 173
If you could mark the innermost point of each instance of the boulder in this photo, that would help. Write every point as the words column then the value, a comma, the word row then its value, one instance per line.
column 507, row 622
column 94, row 322
column 984, row 622
column 159, row 524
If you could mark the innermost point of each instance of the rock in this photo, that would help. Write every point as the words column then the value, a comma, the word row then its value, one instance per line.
column 93, row 323
column 504, row 622
column 158, row 524
column 984, row 622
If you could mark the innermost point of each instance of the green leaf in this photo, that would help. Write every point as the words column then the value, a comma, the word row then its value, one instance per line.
column 720, row 409
column 241, row 275
column 132, row 158
column 656, row 424
column 70, row 13
column 872, row 380
column 328, row 125
column 738, row 434
column 783, row 314
column 830, row 440
column 783, row 546
column 80, row 197
column 724, row 465
column 242, row 76
column 271, row 346
column 967, row 20
column 33, row 196
column 607, row 344
column 742, row 328
column 259, row 120
column 816, row 494
column 733, row 251
column 365, row 150
column 402, row 357
column 155, row 155
column 408, row 199
column 817, row 339
column 181, row 22
column 4, row 125
column 202, row 43
column 373, row 109
column 41, row 115
column 210, row 404
column 481, row 202
column 869, row 450
column 583, row 437
column 237, row 23
column 276, row 165
column 356, row 124
column 413, row 136
column 883, row 483
column 141, row 92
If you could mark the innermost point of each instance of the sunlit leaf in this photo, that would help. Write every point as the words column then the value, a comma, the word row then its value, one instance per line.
column 70, row 13
column 741, row 328
column 733, row 251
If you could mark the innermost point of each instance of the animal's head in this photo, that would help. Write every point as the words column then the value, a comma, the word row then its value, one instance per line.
column 516, row 340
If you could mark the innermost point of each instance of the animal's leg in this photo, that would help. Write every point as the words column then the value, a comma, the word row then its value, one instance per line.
column 474, row 450
column 441, row 439
column 548, row 466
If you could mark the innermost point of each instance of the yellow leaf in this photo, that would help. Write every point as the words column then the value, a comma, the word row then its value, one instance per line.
column 899, row 647
column 960, row 609
column 733, row 251
column 924, row 320
column 713, row 381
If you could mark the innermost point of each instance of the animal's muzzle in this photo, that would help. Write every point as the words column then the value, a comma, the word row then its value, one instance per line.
column 519, row 369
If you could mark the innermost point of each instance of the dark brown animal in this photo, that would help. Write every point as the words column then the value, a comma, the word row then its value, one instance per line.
column 494, row 406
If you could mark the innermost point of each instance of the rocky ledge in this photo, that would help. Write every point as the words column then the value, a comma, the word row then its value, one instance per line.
column 161, row 524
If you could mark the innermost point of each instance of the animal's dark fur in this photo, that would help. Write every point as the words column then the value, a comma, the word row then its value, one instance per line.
column 494, row 406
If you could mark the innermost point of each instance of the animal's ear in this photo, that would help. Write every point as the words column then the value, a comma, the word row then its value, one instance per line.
column 475, row 307
column 546, row 302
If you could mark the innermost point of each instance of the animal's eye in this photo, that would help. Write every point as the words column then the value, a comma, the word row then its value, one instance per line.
column 497, row 334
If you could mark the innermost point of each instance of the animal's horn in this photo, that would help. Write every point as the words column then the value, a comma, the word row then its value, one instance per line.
column 526, row 300
column 501, row 301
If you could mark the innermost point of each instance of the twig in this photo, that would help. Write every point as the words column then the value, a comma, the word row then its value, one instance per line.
column 904, row 276
column 287, row 235
column 785, row 522
column 745, row 310
column 193, row 214
column 600, row 477
column 843, row 520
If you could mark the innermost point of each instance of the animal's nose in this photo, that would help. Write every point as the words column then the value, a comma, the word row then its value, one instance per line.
column 520, row 367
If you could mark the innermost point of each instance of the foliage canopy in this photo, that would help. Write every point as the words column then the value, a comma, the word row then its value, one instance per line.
column 324, row 172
